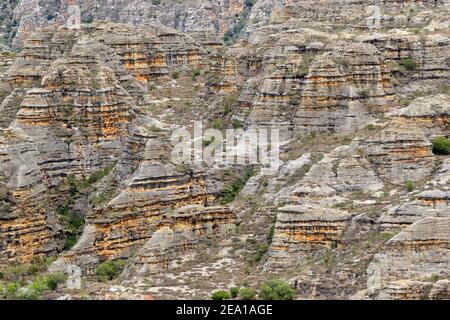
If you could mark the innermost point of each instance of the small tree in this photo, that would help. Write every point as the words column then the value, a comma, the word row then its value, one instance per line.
column 109, row 270
column 220, row 295
column 276, row 290
column 54, row 279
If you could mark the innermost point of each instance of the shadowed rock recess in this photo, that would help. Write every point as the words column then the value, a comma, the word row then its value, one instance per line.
column 359, row 89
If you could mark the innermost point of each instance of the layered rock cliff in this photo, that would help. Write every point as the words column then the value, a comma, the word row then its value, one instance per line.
column 359, row 207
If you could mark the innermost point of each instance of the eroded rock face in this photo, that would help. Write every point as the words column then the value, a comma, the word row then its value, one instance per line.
column 400, row 153
column 87, row 113
column 340, row 86
column 76, row 94
column 414, row 264
column 431, row 203
column 28, row 229
column 312, row 220
column 215, row 17
column 176, row 238
column 302, row 228
column 154, row 194
column 429, row 113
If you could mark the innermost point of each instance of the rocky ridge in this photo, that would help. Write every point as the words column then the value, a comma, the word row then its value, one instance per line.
column 358, row 209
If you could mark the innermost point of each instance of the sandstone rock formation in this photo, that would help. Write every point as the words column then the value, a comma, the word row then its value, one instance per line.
column 358, row 208
column 187, row 16
column 414, row 264
column 28, row 227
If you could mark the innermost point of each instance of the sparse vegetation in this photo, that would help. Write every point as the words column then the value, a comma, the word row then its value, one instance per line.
column 31, row 290
column 109, row 270
column 307, row 59
column 77, row 187
column 276, row 290
column 230, row 193
column 298, row 174
column 386, row 236
column 434, row 278
column 262, row 250
column 408, row 63
column 208, row 142
column 54, row 279
column 195, row 74
column 175, row 75
column 87, row 19
column 409, row 186
column 232, row 35
column 364, row 93
column 217, row 124
column 228, row 104
column 329, row 259
column 237, row 124
column 18, row 272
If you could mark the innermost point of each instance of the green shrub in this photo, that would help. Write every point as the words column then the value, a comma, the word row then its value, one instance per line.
column 220, row 295
column 408, row 63
column 34, row 289
column 441, row 146
column 156, row 2
column 175, row 75
column 109, row 270
column 11, row 289
column 247, row 294
column 249, row 3
column 234, row 292
column 409, row 186
column 54, row 279
column 87, row 19
column 73, row 226
column 294, row 100
column 276, row 290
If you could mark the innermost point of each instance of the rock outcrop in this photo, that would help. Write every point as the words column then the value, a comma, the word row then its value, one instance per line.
column 359, row 92
column 400, row 153
column 190, row 16
column 414, row 264
column 28, row 228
